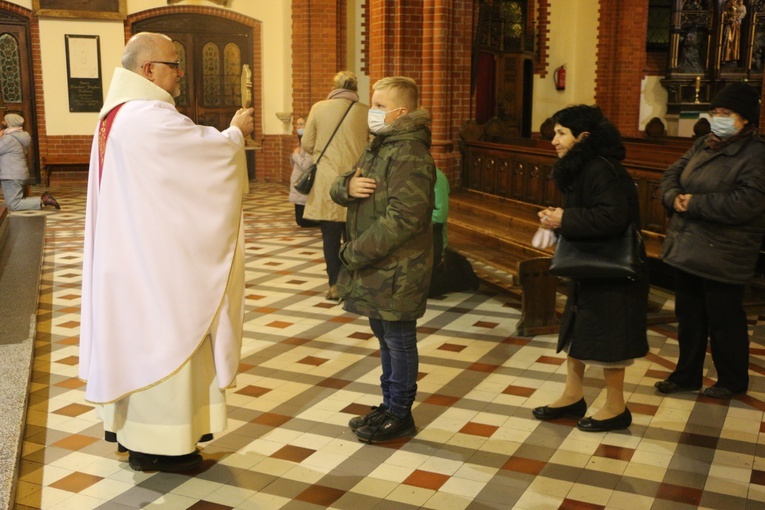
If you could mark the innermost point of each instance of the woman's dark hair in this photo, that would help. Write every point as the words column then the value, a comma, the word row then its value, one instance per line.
column 580, row 118
column 605, row 138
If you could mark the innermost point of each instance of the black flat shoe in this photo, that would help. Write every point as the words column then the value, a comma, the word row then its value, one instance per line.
column 668, row 387
column 575, row 410
column 721, row 392
column 618, row 422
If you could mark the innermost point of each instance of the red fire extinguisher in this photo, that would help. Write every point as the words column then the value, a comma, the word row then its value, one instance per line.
column 559, row 77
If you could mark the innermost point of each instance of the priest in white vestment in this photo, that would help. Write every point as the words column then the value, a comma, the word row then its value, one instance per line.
column 163, row 268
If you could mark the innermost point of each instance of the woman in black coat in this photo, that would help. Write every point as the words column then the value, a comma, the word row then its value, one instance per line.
column 715, row 196
column 604, row 322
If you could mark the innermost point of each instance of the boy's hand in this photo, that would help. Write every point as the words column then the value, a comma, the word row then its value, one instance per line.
column 361, row 187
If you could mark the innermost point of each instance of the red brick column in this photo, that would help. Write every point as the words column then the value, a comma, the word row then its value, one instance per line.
column 621, row 60
column 382, row 29
column 437, row 93
column 319, row 50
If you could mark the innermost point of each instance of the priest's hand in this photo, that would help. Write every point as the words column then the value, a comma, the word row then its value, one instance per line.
column 244, row 120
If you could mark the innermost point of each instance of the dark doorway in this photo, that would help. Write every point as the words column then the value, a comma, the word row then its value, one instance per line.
column 16, row 83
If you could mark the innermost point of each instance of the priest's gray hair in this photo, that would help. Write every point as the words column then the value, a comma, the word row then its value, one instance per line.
column 140, row 49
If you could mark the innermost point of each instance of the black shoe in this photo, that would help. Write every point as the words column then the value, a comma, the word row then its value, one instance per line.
column 166, row 463
column 668, row 387
column 378, row 413
column 618, row 422
column 721, row 392
column 387, row 429
column 575, row 410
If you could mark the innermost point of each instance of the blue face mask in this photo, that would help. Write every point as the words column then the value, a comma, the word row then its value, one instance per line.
column 724, row 127
column 300, row 131
column 376, row 120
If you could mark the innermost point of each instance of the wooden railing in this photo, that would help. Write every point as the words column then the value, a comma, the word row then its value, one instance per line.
column 523, row 171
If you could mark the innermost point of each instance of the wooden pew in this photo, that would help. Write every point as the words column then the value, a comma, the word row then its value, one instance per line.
column 493, row 218
column 497, row 232
column 67, row 169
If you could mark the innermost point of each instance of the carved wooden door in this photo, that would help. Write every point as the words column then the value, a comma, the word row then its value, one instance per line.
column 211, row 51
column 16, row 88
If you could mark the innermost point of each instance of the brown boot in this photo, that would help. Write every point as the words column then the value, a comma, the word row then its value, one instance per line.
column 47, row 199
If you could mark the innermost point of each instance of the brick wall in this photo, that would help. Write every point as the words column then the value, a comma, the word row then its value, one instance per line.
column 621, row 61
column 319, row 48
column 431, row 42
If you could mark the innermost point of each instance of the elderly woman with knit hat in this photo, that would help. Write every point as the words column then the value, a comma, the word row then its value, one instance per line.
column 14, row 172
column 715, row 196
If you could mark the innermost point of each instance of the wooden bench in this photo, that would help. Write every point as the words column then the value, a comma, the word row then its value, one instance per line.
column 67, row 169
column 497, row 232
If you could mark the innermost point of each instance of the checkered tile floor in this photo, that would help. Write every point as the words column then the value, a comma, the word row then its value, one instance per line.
column 307, row 367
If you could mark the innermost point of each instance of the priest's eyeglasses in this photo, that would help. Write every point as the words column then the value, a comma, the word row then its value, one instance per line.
column 173, row 65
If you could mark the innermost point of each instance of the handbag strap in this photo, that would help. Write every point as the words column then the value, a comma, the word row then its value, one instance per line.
column 335, row 131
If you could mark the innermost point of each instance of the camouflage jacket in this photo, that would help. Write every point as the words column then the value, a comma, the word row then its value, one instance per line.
column 389, row 250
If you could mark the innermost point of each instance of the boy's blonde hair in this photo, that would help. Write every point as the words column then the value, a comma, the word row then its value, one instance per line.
column 404, row 90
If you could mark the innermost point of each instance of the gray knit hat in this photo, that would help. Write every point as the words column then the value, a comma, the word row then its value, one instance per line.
column 14, row 120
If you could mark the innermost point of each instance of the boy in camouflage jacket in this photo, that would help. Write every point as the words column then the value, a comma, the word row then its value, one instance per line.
column 388, row 257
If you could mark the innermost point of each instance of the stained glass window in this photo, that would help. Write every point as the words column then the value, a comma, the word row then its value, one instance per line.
column 232, row 63
column 659, row 20
column 10, row 69
column 211, row 74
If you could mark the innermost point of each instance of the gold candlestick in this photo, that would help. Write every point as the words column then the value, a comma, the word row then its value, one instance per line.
column 698, row 88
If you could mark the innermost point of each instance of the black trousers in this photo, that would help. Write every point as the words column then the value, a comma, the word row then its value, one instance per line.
column 332, row 234
column 302, row 222
column 710, row 310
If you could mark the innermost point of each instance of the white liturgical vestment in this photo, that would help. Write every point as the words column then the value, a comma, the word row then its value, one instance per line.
column 163, row 267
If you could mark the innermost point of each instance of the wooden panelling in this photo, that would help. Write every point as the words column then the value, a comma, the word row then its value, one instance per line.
column 523, row 172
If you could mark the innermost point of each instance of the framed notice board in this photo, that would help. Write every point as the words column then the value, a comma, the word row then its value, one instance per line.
column 97, row 9
column 83, row 73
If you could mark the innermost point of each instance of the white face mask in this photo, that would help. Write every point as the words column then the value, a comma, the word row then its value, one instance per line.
column 724, row 127
column 300, row 131
column 376, row 120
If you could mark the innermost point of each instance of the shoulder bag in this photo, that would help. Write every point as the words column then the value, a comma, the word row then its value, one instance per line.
column 618, row 257
column 305, row 182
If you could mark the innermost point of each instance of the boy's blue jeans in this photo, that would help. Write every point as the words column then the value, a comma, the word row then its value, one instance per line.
column 400, row 362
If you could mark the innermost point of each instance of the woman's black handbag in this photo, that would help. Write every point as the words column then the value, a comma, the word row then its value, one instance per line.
column 305, row 182
column 618, row 257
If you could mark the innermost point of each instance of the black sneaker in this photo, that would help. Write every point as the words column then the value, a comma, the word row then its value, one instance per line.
column 166, row 463
column 387, row 429
column 378, row 412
